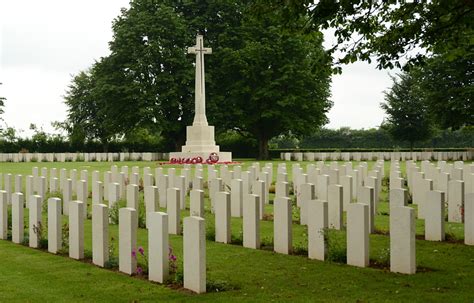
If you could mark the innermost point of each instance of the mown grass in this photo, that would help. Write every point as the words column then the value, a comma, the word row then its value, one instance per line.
column 446, row 270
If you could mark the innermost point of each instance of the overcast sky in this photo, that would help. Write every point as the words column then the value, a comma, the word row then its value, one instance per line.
column 43, row 43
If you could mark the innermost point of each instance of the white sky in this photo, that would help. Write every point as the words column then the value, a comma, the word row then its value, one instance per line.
column 43, row 43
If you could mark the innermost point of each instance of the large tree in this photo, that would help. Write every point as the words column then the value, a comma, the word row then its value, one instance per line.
column 277, row 82
column 408, row 116
column 392, row 32
column 448, row 89
column 89, row 99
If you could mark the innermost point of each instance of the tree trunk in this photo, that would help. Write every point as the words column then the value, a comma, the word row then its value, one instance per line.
column 263, row 153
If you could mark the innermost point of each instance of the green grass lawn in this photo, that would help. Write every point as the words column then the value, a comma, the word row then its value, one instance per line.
column 446, row 270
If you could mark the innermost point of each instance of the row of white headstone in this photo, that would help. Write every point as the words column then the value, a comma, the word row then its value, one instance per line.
column 371, row 156
column 435, row 186
column 83, row 157
column 194, row 247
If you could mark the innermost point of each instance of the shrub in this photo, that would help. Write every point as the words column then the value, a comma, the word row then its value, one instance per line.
column 336, row 245
column 114, row 211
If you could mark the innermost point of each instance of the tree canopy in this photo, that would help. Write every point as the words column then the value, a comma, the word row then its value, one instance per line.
column 408, row 116
column 2, row 102
column 392, row 32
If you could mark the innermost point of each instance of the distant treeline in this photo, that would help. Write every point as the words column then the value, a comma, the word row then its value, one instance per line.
column 343, row 139
column 346, row 138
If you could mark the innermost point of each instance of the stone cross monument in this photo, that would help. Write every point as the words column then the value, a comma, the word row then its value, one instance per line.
column 200, row 141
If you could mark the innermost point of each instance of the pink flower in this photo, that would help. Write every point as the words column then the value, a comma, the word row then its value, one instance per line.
column 173, row 258
column 141, row 250
column 139, row 270
column 134, row 253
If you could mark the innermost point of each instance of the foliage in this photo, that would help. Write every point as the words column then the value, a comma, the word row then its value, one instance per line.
column 336, row 245
column 278, row 81
column 142, row 261
column 41, row 232
column 393, row 32
column 408, row 117
column 448, row 89
column 114, row 211
column 2, row 103
column 113, row 261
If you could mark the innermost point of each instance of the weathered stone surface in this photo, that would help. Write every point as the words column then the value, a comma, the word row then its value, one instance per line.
column 158, row 245
column 469, row 219
column 251, row 221
column 335, row 205
column 222, row 217
column 3, row 214
column 358, row 235
column 366, row 196
column 402, row 240
column 18, row 225
column 347, row 190
column 194, row 251
column 317, row 227
column 455, row 201
column 197, row 203
column 237, row 198
column 173, row 210
column 282, row 225
column 258, row 189
column 128, row 225
column 100, row 234
column 54, row 225
column 306, row 193
column 434, row 219
column 76, row 230
column 35, row 220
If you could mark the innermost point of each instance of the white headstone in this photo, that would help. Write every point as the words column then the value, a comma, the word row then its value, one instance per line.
column 100, row 234
column 317, row 227
column 18, row 225
column 222, row 217
column 128, row 225
column 402, row 240
column 35, row 220
column 3, row 214
column 469, row 219
column 76, row 230
column 434, row 219
column 197, row 203
column 251, row 221
column 335, row 205
column 158, row 245
column 282, row 225
column 54, row 225
column 358, row 234
column 194, row 251
column 173, row 210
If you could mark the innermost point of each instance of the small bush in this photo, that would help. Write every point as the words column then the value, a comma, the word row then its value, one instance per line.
column 114, row 211
column 336, row 245
column 210, row 230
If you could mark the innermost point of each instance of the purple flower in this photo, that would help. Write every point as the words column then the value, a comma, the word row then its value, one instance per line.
column 141, row 250
column 139, row 270
column 173, row 258
column 134, row 253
